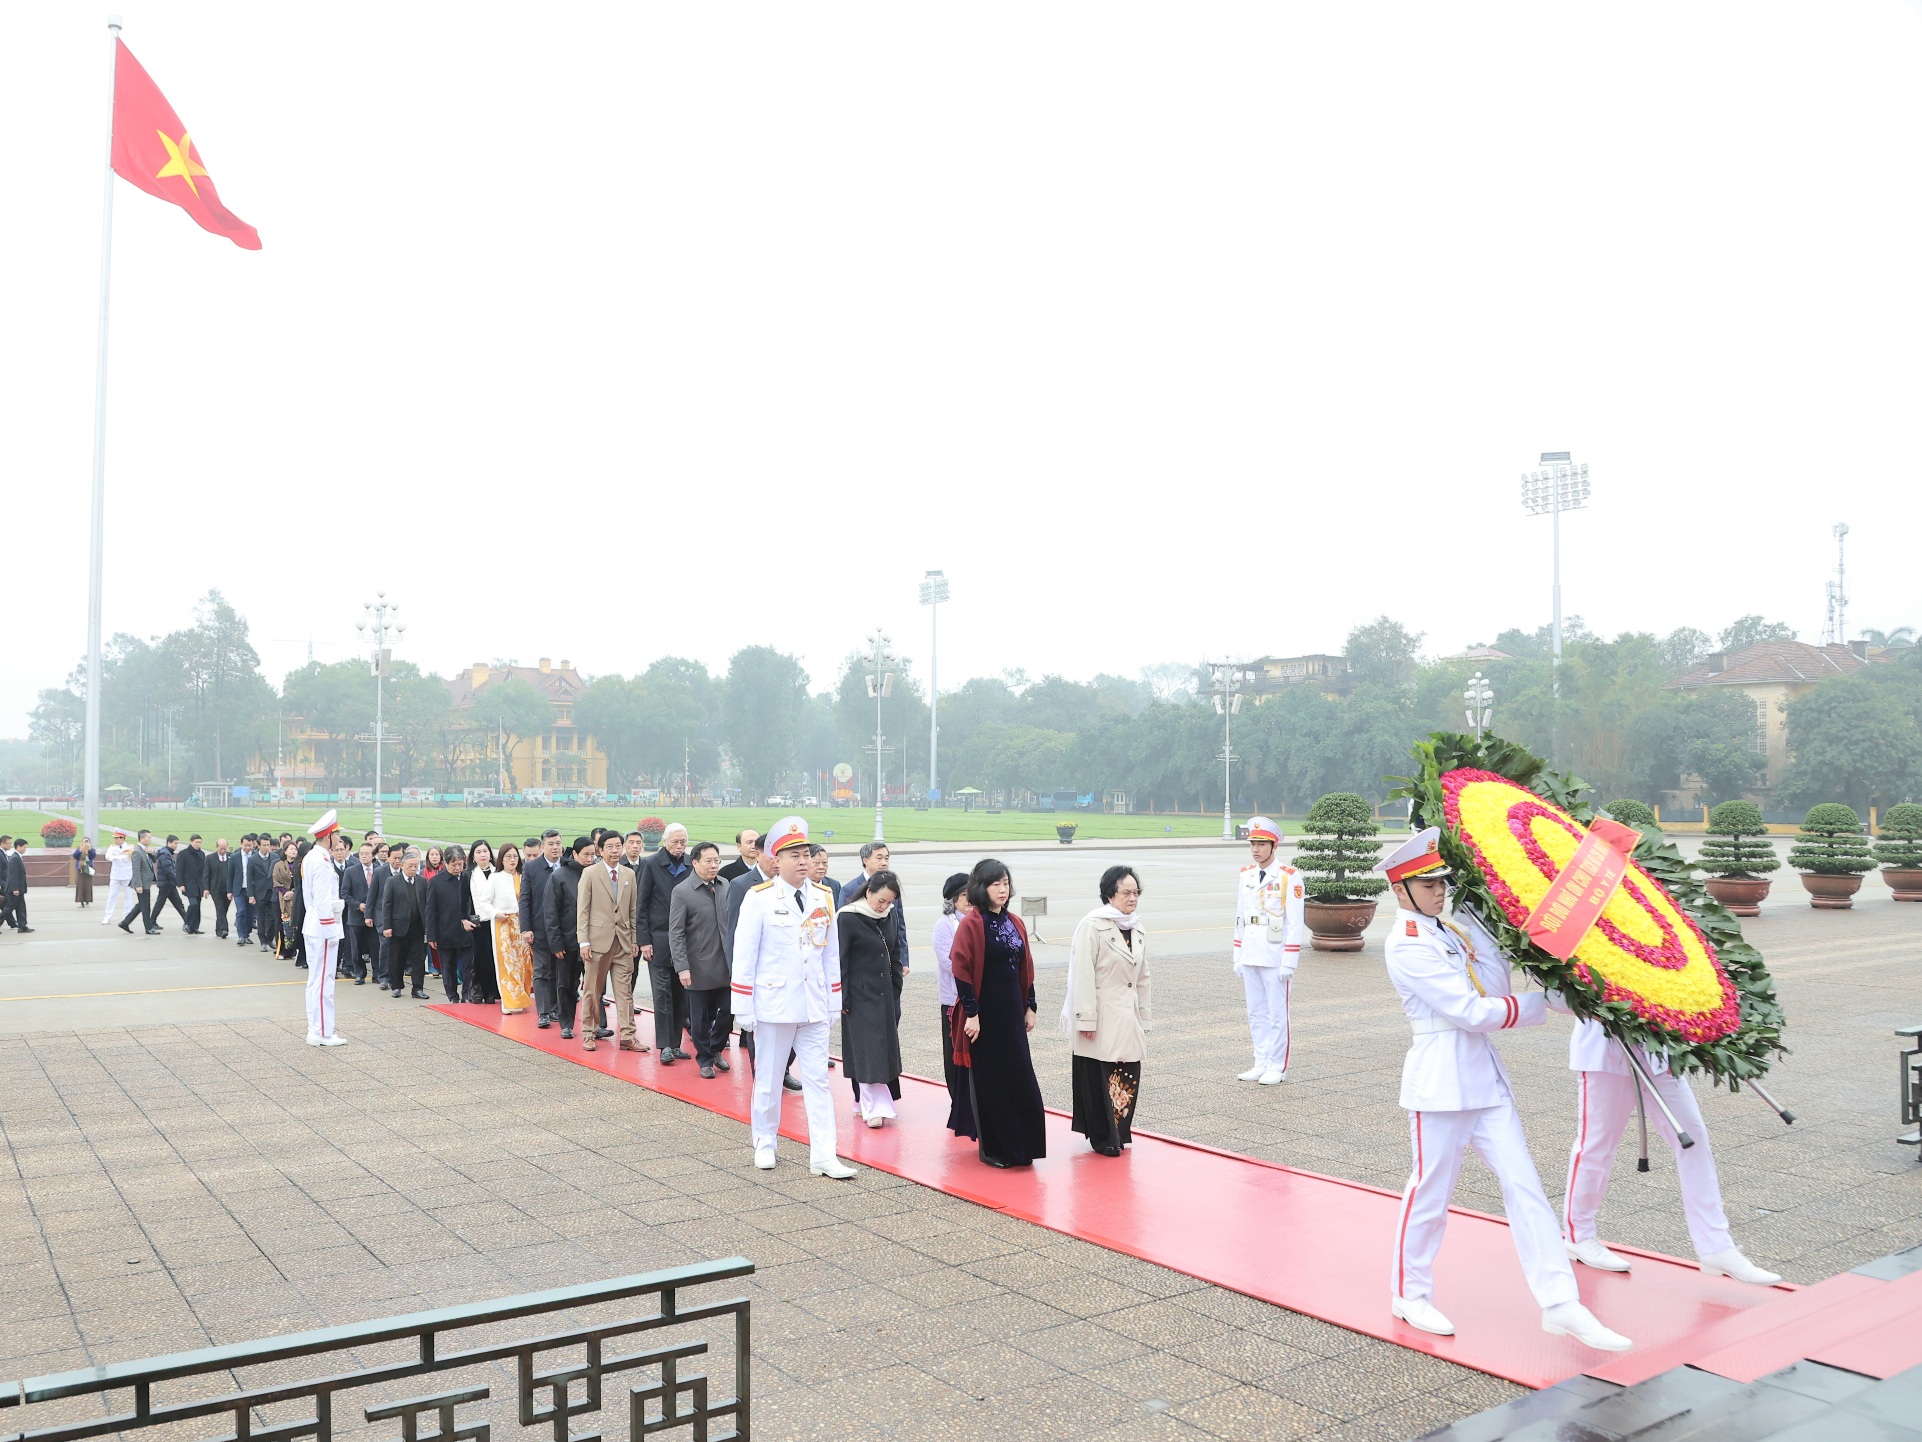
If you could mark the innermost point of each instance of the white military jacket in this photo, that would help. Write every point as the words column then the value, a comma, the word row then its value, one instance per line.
column 1452, row 1001
column 1592, row 1049
column 320, row 890
column 1268, row 917
column 787, row 958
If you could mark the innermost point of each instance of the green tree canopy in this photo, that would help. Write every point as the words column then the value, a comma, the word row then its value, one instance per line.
column 763, row 702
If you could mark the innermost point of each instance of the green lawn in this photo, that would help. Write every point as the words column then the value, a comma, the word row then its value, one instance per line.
column 461, row 823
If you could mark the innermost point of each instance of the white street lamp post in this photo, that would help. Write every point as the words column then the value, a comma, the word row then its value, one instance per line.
column 1226, row 679
column 375, row 625
column 934, row 590
column 1479, row 700
column 1561, row 486
column 880, row 686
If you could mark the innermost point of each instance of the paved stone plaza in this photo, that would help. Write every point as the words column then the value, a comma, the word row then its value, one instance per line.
column 181, row 1170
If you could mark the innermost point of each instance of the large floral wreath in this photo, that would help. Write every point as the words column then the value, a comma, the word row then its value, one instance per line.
column 1664, row 966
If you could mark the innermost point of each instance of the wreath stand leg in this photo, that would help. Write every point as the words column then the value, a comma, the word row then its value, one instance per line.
column 1644, row 1079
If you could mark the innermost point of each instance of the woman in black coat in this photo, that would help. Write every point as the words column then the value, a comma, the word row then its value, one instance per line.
column 871, row 997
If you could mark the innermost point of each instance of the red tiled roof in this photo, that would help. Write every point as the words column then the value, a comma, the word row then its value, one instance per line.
column 556, row 684
column 1780, row 662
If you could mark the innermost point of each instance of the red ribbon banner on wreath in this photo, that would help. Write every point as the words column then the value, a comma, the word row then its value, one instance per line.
column 1582, row 889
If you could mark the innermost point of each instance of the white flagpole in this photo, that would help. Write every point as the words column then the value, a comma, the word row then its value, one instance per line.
column 95, row 565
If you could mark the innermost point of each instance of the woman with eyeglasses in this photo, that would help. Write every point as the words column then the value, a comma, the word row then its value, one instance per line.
column 871, row 998
column 1107, row 1010
column 994, row 991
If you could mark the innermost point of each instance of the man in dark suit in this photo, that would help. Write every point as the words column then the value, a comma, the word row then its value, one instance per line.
column 560, row 924
column 749, row 844
column 357, row 922
column 220, row 884
column 402, row 921
column 386, row 868
column 250, row 884
column 190, row 868
column 167, row 876
column 535, row 875
column 17, row 885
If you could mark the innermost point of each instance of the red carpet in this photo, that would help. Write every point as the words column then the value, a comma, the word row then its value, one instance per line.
column 1312, row 1244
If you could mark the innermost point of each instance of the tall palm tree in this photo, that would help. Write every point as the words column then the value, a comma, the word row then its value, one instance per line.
column 1898, row 639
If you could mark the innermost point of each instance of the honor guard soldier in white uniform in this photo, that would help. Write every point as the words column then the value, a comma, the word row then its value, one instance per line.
column 786, row 988
column 1454, row 987
column 1268, row 927
column 320, row 892
column 1607, row 1096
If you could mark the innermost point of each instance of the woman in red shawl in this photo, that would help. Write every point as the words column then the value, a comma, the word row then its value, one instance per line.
column 994, row 1012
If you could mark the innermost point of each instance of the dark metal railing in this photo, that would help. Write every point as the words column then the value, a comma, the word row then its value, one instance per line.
column 1908, row 1076
column 675, row 1398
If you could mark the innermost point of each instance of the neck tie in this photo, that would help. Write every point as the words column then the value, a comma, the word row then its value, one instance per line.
column 799, row 905
column 1261, row 876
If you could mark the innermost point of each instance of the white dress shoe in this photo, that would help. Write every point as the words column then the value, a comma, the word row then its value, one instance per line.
column 1593, row 1254
column 313, row 1038
column 834, row 1168
column 764, row 1158
column 1733, row 1264
column 1271, row 1078
column 1572, row 1319
column 333, row 1041
column 1252, row 1074
column 1422, row 1316
column 876, row 1121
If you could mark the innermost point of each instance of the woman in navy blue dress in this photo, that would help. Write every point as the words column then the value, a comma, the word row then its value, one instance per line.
column 994, row 1012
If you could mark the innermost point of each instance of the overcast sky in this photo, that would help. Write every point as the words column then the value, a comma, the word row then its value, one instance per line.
column 1166, row 330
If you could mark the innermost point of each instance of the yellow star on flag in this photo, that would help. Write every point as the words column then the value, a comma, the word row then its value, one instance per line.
column 179, row 162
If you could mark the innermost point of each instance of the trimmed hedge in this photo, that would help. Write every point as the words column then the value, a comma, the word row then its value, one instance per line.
column 1340, row 849
column 1737, row 844
column 1831, row 842
column 1631, row 813
column 1899, row 843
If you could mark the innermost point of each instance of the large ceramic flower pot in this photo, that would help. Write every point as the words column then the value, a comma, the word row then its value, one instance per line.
column 1904, row 882
column 1742, row 895
column 1830, row 893
column 1338, row 925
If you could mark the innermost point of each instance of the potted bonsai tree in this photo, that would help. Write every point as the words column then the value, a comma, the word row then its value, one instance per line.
column 652, row 828
column 1736, row 855
column 1340, row 847
column 1631, row 813
column 1832, row 853
column 1898, row 849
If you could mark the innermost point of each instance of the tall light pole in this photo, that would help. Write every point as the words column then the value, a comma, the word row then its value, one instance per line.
column 375, row 625
column 934, row 590
column 1226, row 679
column 880, row 687
column 1479, row 699
column 1559, row 486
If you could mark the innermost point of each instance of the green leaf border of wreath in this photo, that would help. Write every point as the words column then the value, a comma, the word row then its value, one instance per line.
column 1744, row 1053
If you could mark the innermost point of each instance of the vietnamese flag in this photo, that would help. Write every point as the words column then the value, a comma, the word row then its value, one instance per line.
column 153, row 150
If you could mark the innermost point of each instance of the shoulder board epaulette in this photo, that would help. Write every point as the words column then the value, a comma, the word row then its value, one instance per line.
column 1249, row 867
column 762, row 886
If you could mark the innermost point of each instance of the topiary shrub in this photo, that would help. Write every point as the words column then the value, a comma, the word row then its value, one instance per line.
column 1631, row 813
column 1737, row 844
column 1339, row 850
column 1899, row 838
column 1831, row 842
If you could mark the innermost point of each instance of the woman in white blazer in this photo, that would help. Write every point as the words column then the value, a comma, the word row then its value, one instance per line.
column 1107, row 1009
column 496, row 898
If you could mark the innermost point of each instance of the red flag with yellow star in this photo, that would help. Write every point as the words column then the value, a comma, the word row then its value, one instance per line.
column 153, row 150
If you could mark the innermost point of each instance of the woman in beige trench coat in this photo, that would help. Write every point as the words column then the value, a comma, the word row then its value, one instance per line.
column 1107, row 1008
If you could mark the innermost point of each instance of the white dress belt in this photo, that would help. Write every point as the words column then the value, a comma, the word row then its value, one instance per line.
column 1430, row 1025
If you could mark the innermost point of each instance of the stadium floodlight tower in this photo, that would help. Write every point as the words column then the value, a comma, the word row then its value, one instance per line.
column 1559, row 486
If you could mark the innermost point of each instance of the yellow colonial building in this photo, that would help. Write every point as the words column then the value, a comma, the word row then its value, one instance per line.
column 562, row 757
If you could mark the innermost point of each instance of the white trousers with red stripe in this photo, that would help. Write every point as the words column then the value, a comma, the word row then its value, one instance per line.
column 1607, row 1100
column 1439, row 1140
column 1267, row 992
column 323, row 955
column 809, row 1042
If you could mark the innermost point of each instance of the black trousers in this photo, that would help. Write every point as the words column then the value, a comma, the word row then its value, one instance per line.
column 565, row 985
column 221, row 902
column 457, row 971
column 170, row 896
column 353, row 942
column 18, row 909
column 707, row 1017
column 142, row 908
column 544, row 1002
column 670, row 1000
column 193, row 911
column 407, row 960
column 483, row 984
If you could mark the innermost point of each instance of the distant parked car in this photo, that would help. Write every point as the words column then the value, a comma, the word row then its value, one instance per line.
column 780, row 800
column 810, row 801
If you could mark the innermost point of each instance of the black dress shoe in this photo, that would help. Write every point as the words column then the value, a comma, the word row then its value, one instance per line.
column 543, row 1023
column 790, row 1083
column 567, row 1033
column 127, row 926
column 420, row 995
column 602, row 1033
column 723, row 1064
column 398, row 993
column 360, row 981
column 154, row 930
column 301, row 965
column 997, row 1162
column 667, row 1056
column 24, row 930
column 707, row 1070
